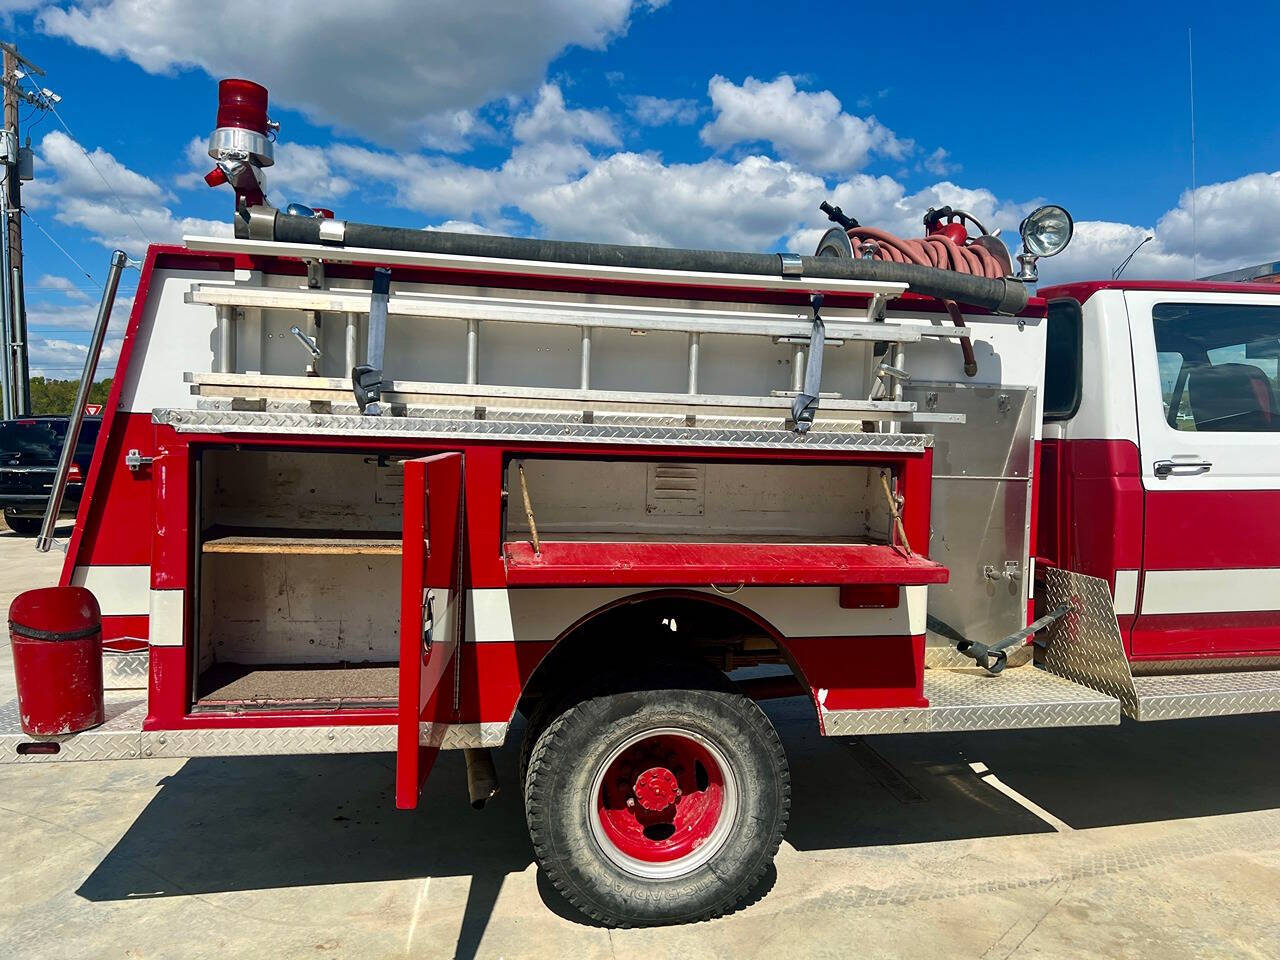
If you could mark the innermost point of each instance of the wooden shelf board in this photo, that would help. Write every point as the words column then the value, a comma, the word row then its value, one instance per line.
column 301, row 542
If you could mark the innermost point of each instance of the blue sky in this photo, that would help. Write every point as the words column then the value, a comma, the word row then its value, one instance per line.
column 676, row 122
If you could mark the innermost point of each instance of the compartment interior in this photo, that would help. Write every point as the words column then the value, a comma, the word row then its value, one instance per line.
column 299, row 551
column 299, row 570
column 697, row 502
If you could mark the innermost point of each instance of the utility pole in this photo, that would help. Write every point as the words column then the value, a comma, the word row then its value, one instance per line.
column 19, row 375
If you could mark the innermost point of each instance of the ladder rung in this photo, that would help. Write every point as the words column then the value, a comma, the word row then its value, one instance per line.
column 338, row 391
column 615, row 316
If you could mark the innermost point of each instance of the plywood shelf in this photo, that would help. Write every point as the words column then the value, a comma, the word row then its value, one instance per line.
column 301, row 542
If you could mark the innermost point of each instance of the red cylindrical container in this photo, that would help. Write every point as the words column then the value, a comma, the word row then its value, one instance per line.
column 243, row 104
column 56, row 635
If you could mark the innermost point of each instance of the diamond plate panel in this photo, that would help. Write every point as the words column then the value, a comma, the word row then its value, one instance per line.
column 1085, row 645
column 971, row 699
column 269, row 741
column 1207, row 694
column 941, row 653
column 743, row 432
column 129, row 670
column 462, row 736
column 1203, row 665
column 117, row 739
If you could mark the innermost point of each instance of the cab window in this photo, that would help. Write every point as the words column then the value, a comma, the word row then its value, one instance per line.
column 1219, row 366
column 1062, row 361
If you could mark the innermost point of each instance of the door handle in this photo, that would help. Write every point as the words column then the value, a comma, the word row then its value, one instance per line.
column 1165, row 468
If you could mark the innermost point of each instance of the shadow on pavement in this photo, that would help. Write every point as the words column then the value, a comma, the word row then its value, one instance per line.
column 239, row 824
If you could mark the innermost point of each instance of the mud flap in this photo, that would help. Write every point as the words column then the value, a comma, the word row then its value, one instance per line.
column 432, row 602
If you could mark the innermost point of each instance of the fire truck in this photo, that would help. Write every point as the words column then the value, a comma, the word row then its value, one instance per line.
column 361, row 488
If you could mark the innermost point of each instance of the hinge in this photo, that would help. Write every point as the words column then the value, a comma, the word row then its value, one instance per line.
column 135, row 461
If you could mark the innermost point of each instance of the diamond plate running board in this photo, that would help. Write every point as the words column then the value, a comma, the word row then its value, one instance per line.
column 972, row 699
column 122, row 738
column 1085, row 646
column 1207, row 694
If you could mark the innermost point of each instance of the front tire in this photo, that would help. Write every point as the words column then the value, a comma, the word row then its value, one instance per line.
column 24, row 526
column 657, row 806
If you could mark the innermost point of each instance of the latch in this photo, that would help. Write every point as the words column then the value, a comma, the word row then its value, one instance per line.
column 135, row 461
column 428, row 622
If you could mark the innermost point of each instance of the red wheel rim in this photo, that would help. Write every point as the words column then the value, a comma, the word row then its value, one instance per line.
column 662, row 799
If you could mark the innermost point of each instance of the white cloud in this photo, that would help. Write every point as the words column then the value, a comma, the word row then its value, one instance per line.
column 549, row 121
column 939, row 163
column 388, row 69
column 550, row 151
column 454, row 131
column 636, row 198
column 57, row 284
column 810, row 129
column 658, row 111
column 128, row 211
column 1235, row 227
column 56, row 358
column 97, row 175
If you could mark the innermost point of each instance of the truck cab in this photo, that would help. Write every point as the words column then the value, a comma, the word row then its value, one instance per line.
column 1160, row 463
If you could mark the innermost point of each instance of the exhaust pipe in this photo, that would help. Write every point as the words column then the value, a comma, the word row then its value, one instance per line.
column 482, row 778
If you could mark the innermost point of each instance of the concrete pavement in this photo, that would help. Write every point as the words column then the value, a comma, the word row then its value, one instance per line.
column 1166, row 845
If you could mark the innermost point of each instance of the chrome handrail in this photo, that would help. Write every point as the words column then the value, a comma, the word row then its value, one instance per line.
column 54, row 507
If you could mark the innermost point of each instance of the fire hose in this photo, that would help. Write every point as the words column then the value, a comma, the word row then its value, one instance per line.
column 946, row 246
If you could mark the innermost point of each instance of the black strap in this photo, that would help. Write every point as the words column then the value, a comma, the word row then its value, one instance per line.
column 992, row 657
column 805, row 405
column 54, row 635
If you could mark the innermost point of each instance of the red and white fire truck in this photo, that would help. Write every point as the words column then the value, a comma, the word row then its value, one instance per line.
column 369, row 489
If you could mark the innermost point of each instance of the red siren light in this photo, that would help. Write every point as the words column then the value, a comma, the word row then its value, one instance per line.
column 243, row 104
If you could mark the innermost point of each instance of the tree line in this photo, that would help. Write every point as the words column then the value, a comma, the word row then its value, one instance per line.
column 57, row 396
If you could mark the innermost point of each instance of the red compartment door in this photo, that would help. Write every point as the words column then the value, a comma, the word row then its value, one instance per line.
column 432, row 612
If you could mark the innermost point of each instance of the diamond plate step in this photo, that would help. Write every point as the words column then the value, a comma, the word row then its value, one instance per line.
column 120, row 738
column 1207, row 694
column 972, row 699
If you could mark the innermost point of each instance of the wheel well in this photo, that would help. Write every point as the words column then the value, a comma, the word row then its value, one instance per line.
column 669, row 625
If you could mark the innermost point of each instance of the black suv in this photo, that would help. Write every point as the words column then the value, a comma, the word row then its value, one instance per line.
column 29, row 450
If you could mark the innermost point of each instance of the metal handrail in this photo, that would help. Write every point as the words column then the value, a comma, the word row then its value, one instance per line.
column 54, row 507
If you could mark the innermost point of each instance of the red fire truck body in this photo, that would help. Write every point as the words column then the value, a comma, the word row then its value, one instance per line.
column 361, row 489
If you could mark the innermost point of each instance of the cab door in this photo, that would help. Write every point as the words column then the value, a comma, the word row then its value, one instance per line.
column 1207, row 387
column 431, row 616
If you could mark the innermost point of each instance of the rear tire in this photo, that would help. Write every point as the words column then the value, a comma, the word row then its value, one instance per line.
column 657, row 806
column 24, row 526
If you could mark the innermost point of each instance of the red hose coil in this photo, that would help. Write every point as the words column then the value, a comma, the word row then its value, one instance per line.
column 935, row 250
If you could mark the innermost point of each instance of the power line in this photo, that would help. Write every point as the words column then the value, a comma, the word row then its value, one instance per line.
column 54, row 110
column 48, row 237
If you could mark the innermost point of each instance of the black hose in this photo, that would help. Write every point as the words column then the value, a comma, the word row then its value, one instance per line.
column 1006, row 296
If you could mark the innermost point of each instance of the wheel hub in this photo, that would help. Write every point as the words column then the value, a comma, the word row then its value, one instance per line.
column 656, row 788
column 664, row 802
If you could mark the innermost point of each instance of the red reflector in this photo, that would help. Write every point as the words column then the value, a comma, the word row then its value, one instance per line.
column 74, row 475
column 883, row 596
column 215, row 177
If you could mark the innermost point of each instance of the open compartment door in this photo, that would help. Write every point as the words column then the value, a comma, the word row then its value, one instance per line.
column 431, row 616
